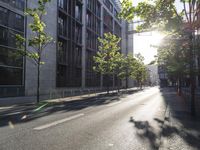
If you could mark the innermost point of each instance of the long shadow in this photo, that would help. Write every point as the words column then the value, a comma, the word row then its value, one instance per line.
column 146, row 131
column 29, row 112
column 179, row 123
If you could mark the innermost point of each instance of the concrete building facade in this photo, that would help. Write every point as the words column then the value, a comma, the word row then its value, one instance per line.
column 75, row 26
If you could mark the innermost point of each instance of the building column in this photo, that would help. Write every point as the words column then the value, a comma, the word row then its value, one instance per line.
column 102, row 36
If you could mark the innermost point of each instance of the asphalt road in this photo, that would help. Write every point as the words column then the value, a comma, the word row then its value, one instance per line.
column 129, row 122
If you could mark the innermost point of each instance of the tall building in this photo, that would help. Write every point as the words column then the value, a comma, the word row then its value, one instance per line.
column 75, row 25
column 12, row 69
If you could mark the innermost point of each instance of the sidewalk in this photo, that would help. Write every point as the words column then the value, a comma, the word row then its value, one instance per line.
column 31, row 107
column 181, row 131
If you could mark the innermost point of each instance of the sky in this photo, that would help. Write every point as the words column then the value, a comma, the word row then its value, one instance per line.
column 142, row 42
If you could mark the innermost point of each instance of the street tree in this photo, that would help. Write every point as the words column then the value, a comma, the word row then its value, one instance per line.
column 140, row 72
column 38, row 41
column 126, row 67
column 163, row 15
column 173, row 54
column 108, row 56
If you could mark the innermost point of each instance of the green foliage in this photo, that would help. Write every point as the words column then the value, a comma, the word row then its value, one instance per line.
column 39, row 38
column 174, row 54
column 126, row 66
column 140, row 73
column 127, row 12
column 109, row 61
column 37, row 41
column 157, row 14
column 108, row 55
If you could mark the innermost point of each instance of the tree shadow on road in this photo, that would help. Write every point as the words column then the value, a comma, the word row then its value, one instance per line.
column 178, row 125
column 29, row 112
column 146, row 132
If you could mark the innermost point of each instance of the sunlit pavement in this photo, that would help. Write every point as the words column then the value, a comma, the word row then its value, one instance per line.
column 134, row 121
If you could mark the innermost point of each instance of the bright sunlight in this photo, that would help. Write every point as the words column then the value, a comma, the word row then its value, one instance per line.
column 143, row 44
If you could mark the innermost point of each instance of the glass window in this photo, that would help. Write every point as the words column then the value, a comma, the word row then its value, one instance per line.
column 61, row 25
column 78, row 58
column 3, row 36
column 108, row 20
column 98, row 11
column 108, row 5
column 19, row 4
column 10, row 76
column 61, row 3
column 89, row 19
column 61, row 75
column 78, row 12
column 9, row 57
column 11, row 19
column 3, row 16
column 62, row 52
column 78, row 33
column 19, row 22
column 117, row 29
column 12, row 39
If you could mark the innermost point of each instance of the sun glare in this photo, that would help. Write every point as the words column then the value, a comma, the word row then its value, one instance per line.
column 143, row 44
column 156, row 38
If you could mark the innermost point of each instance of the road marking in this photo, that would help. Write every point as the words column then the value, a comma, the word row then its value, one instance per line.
column 115, row 103
column 57, row 122
column 110, row 144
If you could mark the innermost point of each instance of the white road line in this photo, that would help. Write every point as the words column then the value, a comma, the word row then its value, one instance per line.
column 57, row 122
column 115, row 103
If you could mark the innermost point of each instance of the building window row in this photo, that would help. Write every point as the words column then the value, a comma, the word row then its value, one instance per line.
column 108, row 5
column 18, row 4
column 9, row 58
column 69, row 31
column 117, row 29
column 92, row 40
column 93, row 22
column 92, row 78
column 94, row 6
column 116, row 15
column 69, row 49
column 11, row 19
column 72, row 7
column 11, row 64
column 108, row 20
column 69, row 63
column 8, row 37
column 11, row 76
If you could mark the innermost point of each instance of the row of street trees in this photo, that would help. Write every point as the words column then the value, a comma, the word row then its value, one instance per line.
column 177, row 52
column 173, row 55
column 109, row 61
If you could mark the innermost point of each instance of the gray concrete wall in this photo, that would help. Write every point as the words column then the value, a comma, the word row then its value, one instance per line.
column 48, row 70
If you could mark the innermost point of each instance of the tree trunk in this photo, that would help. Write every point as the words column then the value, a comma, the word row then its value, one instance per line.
column 38, row 82
column 118, row 86
column 126, row 82
column 179, row 90
column 108, row 82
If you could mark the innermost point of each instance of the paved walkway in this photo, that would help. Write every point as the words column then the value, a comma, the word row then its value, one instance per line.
column 181, row 131
column 7, row 108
